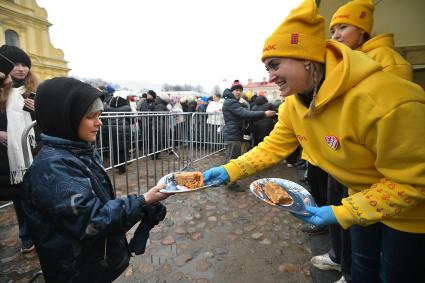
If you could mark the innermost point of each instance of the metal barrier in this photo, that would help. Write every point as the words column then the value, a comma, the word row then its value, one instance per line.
column 138, row 148
column 155, row 144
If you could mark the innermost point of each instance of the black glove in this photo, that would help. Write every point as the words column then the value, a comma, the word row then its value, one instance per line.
column 153, row 215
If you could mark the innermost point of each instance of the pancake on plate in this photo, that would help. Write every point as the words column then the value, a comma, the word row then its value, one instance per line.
column 190, row 180
column 276, row 194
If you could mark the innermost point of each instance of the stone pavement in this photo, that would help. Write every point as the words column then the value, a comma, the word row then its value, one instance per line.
column 214, row 235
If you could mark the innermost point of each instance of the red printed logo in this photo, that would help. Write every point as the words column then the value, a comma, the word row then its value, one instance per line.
column 341, row 17
column 363, row 15
column 301, row 138
column 294, row 38
column 332, row 142
column 269, row 47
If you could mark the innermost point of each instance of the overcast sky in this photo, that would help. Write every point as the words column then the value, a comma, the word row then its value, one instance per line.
column 148, row 43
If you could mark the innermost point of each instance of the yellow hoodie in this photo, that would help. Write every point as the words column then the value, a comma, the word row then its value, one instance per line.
column 368, row 132
column 381, row 49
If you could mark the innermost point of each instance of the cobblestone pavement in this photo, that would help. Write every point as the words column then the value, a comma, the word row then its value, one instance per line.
column 214, row 235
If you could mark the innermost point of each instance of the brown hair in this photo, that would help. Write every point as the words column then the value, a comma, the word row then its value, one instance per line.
column 4, row 94
column 30, row 83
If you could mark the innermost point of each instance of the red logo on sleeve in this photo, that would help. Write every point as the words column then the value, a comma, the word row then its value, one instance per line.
column 332, row 142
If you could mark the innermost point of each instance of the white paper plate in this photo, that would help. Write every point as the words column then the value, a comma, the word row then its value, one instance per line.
column 173, row 188
column 301, row 197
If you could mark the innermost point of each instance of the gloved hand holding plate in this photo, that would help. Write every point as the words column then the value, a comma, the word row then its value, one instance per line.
column 284, row 194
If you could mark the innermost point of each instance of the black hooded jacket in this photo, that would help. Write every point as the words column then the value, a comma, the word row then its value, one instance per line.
column 234, row 116
column 77, row 224
column 120, row 129
column 261, row 128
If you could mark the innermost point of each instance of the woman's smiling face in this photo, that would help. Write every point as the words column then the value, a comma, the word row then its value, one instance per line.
column 291, row 75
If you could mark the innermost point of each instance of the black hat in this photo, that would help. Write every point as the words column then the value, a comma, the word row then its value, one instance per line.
column 118, row 101
column 16, row 54
column 236, row 85
column 60, row 104
column 152, row 93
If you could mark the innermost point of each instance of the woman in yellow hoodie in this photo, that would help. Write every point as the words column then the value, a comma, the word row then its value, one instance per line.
column 370, row 142
column 352, row 25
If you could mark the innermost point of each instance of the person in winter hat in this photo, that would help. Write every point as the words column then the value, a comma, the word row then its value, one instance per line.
column 17, row 113
column 235, row 115
column 352, row 25
column 236, row 85
column 335, row 109
column 74, row 217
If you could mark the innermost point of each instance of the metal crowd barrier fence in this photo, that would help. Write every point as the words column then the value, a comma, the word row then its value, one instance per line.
column 138, row 148
column 155, row 144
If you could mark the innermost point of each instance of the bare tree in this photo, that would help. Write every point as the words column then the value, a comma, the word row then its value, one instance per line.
column 184, row 87
column 216, row 90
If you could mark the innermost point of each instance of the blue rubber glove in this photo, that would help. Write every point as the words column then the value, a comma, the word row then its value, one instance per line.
column 319, row 216
column 217, row 176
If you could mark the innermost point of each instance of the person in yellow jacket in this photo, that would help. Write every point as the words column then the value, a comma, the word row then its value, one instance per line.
column 352, row 25
column 370, row 142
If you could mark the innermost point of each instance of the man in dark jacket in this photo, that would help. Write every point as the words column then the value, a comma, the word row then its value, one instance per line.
column 77, row 224
column 234, row 116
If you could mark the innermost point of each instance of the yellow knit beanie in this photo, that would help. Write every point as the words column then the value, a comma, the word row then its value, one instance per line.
column 300, row 36
column 249, row 95
column 358, row 13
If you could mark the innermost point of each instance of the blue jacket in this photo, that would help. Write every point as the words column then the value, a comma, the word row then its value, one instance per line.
column 234, row 115
column 77, row 225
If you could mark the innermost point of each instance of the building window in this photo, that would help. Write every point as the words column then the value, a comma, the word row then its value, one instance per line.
column 12, row 37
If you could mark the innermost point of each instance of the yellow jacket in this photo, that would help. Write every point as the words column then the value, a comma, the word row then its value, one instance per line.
column 381, row 49
column 368, row 132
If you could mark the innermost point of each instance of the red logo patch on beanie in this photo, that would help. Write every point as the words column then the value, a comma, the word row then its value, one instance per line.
column 363, row 15
column 294, row 38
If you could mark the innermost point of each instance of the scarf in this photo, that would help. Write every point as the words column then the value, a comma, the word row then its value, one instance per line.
column 17, row 121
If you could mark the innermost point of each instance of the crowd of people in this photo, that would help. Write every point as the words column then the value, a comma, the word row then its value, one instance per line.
column 349, row 105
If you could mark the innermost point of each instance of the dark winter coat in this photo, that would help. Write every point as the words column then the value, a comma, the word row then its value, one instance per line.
column 145, row 105
column 262, row 128
column 234, row 115
column 118, row 104
column 160, row 105
column 77, row 225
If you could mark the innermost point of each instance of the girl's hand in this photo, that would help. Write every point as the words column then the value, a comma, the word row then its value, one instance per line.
column 154, row 195
column 29, row 103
